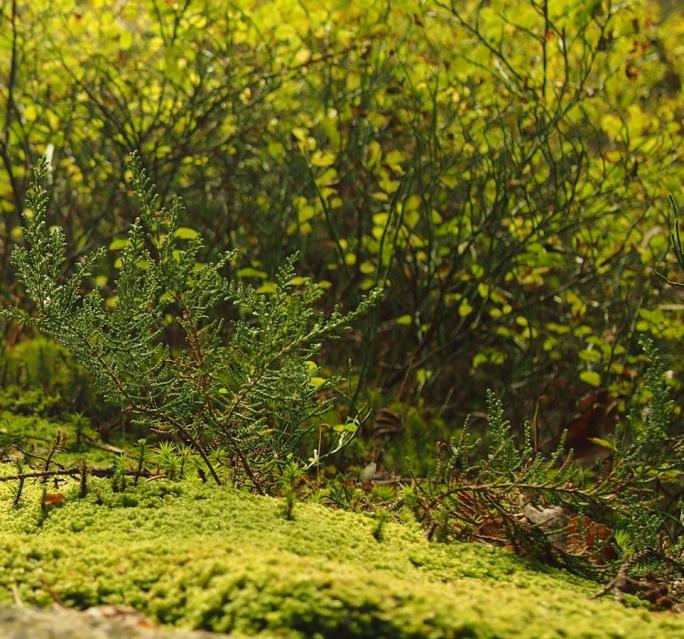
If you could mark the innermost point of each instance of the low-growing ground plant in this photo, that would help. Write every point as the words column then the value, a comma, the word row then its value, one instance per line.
column 552, row 509
column 247, row 391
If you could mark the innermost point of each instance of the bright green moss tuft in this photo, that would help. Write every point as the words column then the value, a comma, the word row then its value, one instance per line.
column 199, row 556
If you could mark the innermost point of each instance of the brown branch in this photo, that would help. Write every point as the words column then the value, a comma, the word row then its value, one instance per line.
column 669, row 281
column 134, row 407
column 622, row 580
column 72, row 472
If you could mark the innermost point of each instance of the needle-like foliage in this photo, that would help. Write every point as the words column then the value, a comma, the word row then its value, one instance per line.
column 248, row 390
column 548, row 507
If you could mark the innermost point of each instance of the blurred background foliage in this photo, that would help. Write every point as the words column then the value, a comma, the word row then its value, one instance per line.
column 500, row 168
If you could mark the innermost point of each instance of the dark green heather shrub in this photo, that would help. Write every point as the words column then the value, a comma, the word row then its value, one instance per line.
column 159, row 348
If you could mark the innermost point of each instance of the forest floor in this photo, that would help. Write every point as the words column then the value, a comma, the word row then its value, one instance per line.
column 196, row 556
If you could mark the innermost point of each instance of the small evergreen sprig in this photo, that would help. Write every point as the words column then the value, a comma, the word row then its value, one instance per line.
column 649, row 462
column 249, row 389
column 544, row 505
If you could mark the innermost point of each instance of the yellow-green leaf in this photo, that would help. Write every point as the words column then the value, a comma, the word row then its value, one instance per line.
column 267, row 288
column 252, row 272
column 119, row 243
column 590, row 377
column 186, row 233
column 602, row 442
column 322, row 158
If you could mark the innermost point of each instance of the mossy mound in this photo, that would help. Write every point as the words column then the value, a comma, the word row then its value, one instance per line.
column 198, row 556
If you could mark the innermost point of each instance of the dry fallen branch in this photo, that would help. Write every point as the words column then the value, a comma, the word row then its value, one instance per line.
column 74, row 472
column 623, row 582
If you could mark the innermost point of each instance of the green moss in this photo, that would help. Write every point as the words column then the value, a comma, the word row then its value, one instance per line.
column 199, row 556
column 37, row 435
column 38, row 377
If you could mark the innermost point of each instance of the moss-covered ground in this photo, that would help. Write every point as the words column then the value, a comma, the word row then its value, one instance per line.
column 195, row 555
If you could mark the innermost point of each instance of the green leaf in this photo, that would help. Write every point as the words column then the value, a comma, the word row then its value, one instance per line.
column 479, row 359
column 186, row 233
column 590, row 377
column 349, row 427
column 252, row 272
column 464, row 309
column 590, row 355
column 267, row 288
column 322, row 158
column 602, row 442
column 119, row 243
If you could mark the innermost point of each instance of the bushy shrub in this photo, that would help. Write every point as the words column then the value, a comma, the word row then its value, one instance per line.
column 492, row 165
column 552, row 509
column 249, row 391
